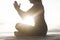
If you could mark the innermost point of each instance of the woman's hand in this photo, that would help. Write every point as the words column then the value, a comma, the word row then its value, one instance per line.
column 16, row 5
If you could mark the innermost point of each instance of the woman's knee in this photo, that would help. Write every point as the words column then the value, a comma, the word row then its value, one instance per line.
column 18, row 25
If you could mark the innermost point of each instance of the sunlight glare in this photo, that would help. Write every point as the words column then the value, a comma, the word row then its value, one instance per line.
column 25, row 6
column 29, row 20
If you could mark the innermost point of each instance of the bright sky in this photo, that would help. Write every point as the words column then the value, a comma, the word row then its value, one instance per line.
column 9, row 16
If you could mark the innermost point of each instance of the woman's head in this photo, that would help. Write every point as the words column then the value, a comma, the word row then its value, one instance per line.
column 35, row 1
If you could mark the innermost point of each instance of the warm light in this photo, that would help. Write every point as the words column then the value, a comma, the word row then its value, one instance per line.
column 29, row 20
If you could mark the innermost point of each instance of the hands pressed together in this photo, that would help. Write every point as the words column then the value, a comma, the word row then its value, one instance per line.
column 16, row 5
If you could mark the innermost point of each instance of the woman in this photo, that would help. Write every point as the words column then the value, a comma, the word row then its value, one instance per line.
column 37, row 9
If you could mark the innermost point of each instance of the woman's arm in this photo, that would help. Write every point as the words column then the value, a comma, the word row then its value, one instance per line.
column 17, row 7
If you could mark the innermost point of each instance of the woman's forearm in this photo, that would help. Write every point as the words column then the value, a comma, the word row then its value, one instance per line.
column 17, row 7
column 21, row 13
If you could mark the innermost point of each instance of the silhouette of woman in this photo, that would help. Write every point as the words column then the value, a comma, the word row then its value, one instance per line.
column 37, row 9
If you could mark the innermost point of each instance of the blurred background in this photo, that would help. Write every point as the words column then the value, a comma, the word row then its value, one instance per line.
column 9, row 16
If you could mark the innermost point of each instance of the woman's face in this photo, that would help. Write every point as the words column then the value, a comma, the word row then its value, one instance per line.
column 32, row 1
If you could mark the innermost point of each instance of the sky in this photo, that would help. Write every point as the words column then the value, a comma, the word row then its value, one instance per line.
column 9, row 16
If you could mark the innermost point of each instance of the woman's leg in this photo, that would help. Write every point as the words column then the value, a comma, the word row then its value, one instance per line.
column 19, row 26
column 19, row 31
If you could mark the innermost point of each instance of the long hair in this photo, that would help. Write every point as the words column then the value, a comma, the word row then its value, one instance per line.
column 35, row 1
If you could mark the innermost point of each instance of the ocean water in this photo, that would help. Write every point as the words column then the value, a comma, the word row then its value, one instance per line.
column 48, row 33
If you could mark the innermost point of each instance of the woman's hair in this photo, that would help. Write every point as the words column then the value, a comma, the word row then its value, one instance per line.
column 38, row 0
column 35, row 1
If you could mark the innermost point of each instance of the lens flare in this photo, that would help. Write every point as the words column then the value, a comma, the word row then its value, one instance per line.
column 28, row 20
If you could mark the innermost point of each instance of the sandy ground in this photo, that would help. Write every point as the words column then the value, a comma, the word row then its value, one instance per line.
column 10, row 36
column 48, row 37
